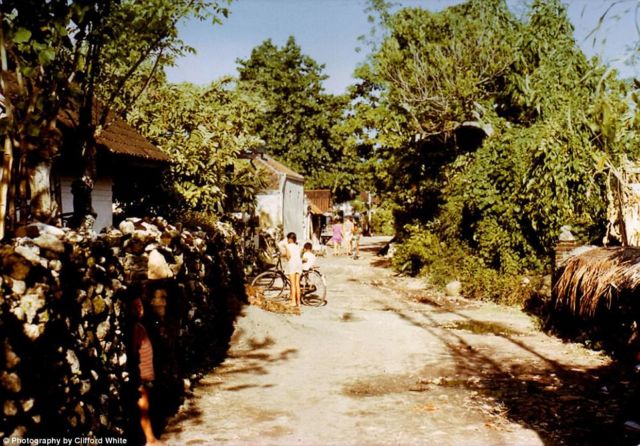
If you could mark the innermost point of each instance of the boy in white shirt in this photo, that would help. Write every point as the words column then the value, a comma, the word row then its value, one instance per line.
column 308, row 258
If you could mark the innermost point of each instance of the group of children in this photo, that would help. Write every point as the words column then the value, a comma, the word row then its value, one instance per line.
column 346, row 236
column 297, row 262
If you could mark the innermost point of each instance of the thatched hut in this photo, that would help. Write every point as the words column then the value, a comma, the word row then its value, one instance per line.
column 595, row 279
column 595, row 294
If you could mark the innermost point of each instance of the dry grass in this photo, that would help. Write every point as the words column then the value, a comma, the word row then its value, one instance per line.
column 595, row 277
column 256, row 298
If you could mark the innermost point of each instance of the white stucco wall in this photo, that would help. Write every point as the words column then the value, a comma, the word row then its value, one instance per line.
column 102, row 200
column 293, row 208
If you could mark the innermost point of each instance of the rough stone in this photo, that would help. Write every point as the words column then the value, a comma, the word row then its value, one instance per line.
column 127, row 227
column 18, row 268
column 11, row 359
column 49, row 242
column 55, row 265
column 11, row 382
column 453, row 288
column 10, row 408
column 157, row 267
column 33, row 331
column 35, row 229
column 30, row 253
column 73, row 362
column 103, row 330
column 32, row 302
column 18, row 287
column 99, row 305
column 27, row 405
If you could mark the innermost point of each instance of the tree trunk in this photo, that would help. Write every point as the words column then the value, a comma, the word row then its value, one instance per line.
column 42, row 206
column 5, row 181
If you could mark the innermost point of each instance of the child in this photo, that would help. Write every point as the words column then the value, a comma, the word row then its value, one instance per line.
column 291, row 253
column 348, row 234
column 308, row 258
column 337, row 236
column 357, row 231
column 144, row 349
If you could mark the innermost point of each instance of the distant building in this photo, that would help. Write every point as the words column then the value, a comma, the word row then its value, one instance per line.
column 319, row 204
column 281, row 202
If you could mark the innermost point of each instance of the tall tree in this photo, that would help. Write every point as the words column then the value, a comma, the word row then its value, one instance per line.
column 486, row 127
column 297, row 119
column 63, row 53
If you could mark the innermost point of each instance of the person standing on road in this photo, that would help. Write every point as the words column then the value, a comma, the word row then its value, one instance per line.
column 348, row 234
column 337, row 236
column 357, row 232
column 293, row 269
column 366, row 230
column 143, row 351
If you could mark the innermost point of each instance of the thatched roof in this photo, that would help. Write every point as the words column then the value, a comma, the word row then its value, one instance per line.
column 597, row 277
column 118, row 137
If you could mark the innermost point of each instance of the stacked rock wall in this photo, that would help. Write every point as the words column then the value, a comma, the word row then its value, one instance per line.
column 66, row 364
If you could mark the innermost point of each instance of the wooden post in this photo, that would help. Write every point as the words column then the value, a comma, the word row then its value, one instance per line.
column 5, row 181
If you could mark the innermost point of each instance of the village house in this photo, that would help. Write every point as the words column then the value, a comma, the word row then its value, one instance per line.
column 281, row 202
column 124, row 157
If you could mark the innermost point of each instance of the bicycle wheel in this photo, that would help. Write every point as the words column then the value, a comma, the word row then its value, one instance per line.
column 313, row 289
column 272, row 285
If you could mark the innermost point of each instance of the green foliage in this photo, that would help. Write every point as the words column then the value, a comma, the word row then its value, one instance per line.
column 490, row 132
column 488, row 128
column 204, row 129
column 382, row 222
column 63, row 54
column 423, row 252
column 300, row 124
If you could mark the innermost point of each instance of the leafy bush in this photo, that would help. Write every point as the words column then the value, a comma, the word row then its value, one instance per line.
column 382, row 221
column 423, row 253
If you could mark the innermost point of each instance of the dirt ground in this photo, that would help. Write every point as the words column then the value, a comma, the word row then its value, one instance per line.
column 390, row 362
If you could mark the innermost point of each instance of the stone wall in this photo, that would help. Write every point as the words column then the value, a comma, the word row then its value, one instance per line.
column 66, row 366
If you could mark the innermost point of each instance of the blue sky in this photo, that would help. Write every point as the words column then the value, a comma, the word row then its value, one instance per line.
column 328, row 31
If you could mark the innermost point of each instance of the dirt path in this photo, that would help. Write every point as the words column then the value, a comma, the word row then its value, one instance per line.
column 388, row 362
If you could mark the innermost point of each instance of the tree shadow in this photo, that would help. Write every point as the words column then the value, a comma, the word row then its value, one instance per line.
column 380, row 262
column 373, row 247
column 562, row 404
column 253, row 360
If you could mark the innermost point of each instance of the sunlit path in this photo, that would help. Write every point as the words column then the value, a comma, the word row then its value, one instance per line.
column 376, row 367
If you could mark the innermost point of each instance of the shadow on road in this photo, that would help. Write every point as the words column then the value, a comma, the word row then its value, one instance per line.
column 253, row 361
column 563, row 405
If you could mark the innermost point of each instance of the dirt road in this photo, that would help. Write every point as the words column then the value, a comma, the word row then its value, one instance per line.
column 388, row 362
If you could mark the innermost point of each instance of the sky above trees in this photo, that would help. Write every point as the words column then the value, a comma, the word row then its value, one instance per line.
column 328, row 31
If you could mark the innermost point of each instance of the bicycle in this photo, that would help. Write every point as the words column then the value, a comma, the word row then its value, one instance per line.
column 275, row 285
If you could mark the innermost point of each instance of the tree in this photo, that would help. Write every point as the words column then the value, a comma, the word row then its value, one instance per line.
column 486, row 128
column 296, row 119
column 205, row 130
column 63, row 53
